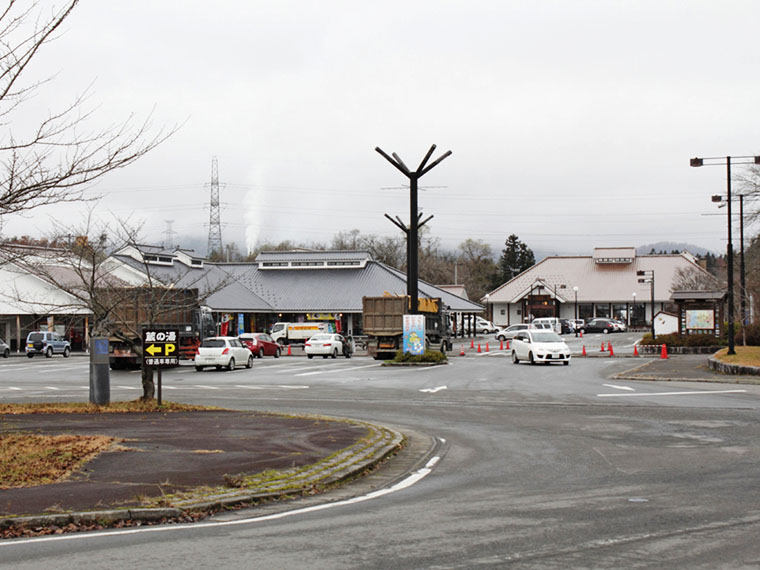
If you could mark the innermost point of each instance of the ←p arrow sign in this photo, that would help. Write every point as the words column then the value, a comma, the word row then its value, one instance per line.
column 153, row 349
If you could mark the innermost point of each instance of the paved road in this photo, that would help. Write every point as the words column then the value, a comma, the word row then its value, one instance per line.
column 540, row 467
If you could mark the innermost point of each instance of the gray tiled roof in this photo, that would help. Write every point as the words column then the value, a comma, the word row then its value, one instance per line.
column 245, row 287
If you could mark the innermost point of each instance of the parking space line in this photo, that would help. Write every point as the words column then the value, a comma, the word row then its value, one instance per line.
column 702, row 393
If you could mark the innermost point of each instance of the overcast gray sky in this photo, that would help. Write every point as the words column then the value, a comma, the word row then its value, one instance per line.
column 571, row 122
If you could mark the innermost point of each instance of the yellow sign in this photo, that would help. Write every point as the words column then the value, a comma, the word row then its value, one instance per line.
column 161, row 349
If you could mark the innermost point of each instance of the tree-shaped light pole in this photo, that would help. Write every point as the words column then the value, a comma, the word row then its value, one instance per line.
column 412, row 232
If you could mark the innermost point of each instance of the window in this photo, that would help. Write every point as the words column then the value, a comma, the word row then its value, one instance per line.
column 603, row 311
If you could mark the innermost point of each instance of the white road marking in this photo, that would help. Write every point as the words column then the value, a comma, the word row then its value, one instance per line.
column 336, row 371
column 273, row 387
column 433, row 390
column 410, row 480
column 127, row 387
column 206, row 387
column 619, row 387
column 704, row 393
column 52, row 388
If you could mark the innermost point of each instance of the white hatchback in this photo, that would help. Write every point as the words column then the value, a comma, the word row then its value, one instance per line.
column 222, row 352
column 325, row 345
column 540, row 346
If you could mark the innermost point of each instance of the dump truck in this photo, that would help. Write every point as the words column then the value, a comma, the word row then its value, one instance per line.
column 383, row 323
column 176, row 309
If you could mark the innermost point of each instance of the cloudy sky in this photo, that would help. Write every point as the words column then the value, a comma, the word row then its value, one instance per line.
column 571, row 123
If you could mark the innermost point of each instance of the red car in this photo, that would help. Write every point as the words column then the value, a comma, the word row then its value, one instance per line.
column 261, row 344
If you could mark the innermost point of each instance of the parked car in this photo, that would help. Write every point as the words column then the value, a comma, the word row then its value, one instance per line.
column 600, row 325
column 567, row 326
column 325, row 345
column 578, row 323
column 222, row 352
column 621, row 326
column 47, row 343
column 509, row 332
column 553, row 322
column 483, row 326
column 5, row 349
column 261, row 344
column 540, row 346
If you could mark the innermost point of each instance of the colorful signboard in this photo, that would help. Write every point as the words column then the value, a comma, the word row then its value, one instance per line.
column 700, row 319
column 160, row 348
column 414, row 334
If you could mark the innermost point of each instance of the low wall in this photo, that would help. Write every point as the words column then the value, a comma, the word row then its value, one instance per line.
column 733, row 369
column 657, row 349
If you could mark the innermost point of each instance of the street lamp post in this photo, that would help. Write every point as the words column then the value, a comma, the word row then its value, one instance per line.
column 575, row 324
column 713, row 161
column 633, row 308
column 648, row 277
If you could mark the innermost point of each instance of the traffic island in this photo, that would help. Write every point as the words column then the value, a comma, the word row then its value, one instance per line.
column 183, row 466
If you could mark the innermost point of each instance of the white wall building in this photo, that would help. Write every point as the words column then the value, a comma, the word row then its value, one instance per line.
column 605, row 284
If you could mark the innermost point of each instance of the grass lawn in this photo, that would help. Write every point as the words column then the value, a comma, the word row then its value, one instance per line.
column 745, row 356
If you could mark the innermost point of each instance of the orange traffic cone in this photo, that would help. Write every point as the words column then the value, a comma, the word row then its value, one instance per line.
column 486, row 347
column 609, row 347
column 501, row 345
column 635, row 350
column 289, row 351
column 507, row 344
column 461, row 353
column 581, row 333
column 664, row 353
column 472, row 343
column 479, row 347
column 584, row 350
column 602, row 350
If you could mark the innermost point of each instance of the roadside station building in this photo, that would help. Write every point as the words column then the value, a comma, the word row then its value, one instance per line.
column 605, row 284
column 289, row 286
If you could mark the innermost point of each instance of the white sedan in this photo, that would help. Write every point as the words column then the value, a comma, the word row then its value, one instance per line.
column 540, row 346
column 223, row 352
column 325, row 345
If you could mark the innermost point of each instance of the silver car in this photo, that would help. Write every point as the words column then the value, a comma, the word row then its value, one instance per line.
column 47, row 343
column 4, row 349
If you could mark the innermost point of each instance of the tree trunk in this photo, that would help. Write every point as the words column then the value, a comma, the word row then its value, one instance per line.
column 149, row 388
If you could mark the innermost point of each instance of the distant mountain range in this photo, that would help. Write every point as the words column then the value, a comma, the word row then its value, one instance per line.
column 668, row 246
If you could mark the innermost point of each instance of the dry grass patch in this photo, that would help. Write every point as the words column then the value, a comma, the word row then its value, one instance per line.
column 745, row 356
column 27, row 460
column 134, row 406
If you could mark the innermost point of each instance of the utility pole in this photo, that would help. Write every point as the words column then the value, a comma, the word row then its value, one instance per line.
column 412, row 232
column 214, row 219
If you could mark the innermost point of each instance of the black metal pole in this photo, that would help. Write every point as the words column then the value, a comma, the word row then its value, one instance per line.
column 575, row 324
column 730, row 261
column 742, row 283
column 652, row 295
column 412, row 284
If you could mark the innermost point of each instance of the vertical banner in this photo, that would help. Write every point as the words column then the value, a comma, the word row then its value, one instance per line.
column 241, row 323
column 414, row 334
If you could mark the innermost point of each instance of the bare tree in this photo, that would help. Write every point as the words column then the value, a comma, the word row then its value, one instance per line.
column 478, row 268
column 694, row 279
column 56, row 159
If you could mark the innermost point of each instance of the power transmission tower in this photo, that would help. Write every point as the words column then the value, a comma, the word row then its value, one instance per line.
column 169, row 235
column 214, row 222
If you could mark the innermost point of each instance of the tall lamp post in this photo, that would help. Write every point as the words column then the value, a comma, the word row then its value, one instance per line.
column 633, row 308
column 575, row 324
column 714, row 161
column 648, row 277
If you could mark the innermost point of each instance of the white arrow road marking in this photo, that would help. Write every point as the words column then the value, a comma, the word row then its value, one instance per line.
column 705, row 393
column 433, row 390
column 619, row 387
column 413, row 478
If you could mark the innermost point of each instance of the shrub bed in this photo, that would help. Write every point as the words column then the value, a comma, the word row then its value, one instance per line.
column 685, row 340
column 429, row 357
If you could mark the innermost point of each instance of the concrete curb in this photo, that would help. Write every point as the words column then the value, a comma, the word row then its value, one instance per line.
column 350, row 462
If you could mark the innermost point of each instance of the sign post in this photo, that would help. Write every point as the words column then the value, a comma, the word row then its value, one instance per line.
column 160, row 351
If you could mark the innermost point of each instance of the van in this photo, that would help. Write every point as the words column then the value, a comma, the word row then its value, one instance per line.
column 548, row 323
column 47, row 343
